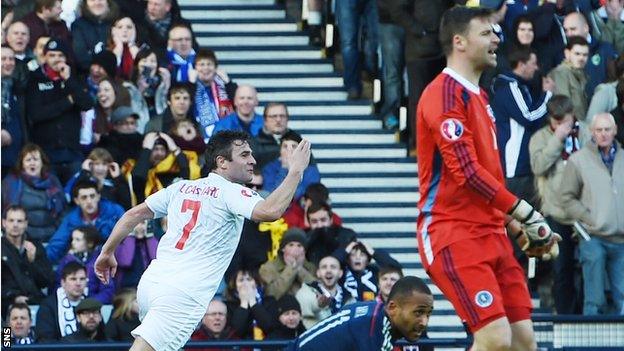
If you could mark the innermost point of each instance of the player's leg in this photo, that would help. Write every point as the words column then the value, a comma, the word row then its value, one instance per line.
column 495, row 336
column 522, row 336
column 140, row 344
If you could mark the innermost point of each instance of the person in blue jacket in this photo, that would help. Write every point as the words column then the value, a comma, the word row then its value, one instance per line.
column 373, row 326
column 245, row 117
column 91, row 210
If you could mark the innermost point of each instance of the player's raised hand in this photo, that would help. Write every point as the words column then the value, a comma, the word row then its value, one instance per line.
column 300, row 157
column 105, row 267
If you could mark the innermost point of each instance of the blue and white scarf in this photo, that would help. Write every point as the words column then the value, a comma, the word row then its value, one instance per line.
column 181, row 66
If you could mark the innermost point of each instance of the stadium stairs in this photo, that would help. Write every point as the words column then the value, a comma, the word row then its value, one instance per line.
column 373, row 186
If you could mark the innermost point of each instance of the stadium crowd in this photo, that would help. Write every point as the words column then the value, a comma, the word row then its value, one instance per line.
column 105, row 102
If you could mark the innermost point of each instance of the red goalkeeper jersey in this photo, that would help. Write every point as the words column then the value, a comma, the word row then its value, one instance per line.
column 461, row 179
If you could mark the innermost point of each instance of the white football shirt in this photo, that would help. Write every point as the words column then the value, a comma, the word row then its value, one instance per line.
column 205, row 220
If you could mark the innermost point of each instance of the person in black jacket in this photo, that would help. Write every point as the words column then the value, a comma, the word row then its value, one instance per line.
column 290, row 323
column 324, row 237
column 54, row 99
column 125, row 316
column 123, row 141
column 90, row 31
column 90, row 325
column 25, row 266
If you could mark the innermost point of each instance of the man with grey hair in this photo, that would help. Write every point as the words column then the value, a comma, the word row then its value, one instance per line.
column 592, row 193
column 244, row 118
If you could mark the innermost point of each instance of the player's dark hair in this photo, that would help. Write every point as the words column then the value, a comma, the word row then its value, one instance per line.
column 317, row 192
column 71, row 268
column 576, row 40
column 519, row 55
column 456, row 21
column 383, row 270
column 317, row 206
column 291, row 135
column 406, row 286
column 84, row 184
column 18, row 306
column 559, row 106
column 220, row 144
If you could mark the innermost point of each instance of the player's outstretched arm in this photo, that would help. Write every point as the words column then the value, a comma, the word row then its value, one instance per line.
column 106, row 264
column 275, row 204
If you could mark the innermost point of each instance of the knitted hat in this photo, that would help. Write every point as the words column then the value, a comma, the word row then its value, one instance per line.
column 88, row 304
column 106, row 60
column 121, row 113
column 57, row 45
column 287, row 303
column 293, row 234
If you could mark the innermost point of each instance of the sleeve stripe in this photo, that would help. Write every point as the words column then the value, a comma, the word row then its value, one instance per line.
column 480, row 185
column 449, row 88
column 524, row 109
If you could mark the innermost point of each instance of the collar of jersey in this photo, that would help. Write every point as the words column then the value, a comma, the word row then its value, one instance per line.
column 463, row 81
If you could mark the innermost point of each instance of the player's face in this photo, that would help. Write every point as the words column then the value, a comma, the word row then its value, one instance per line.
column 20, row 322
column 329, row 271
column 215, row 318
column 481, row 44
column 410, row 314
column 319, row 219
column 89, row 320
column 74, row 284
column 88, row 199
column 386, row 282
column 240, row 168
column 290, row 319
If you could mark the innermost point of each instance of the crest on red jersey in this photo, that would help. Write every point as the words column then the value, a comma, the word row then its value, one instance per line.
column 452, row 129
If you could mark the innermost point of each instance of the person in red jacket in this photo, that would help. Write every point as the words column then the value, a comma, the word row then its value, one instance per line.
column 214, row 326
column 464, row 206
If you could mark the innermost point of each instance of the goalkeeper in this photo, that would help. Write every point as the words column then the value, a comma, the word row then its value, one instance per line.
column 465, row 211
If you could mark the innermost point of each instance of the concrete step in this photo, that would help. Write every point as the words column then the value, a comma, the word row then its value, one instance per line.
column 275, row 55
column 319, row 82
column 386, row 227
column 338, row 125
column 220, row 15
column 353, row 198
column 367, row 167
column 325, row 110
column 390, row 243
column 286, row 96
column 369, row 183
column 277, row 68
column 244, row 27
column 374, row 212
column 241, row 3
column 350, row 139
column 242, row 40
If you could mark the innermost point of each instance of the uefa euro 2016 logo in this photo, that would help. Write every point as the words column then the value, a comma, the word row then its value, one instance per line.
column 452, row 129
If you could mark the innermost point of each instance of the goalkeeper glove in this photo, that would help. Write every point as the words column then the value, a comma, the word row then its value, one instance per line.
column 534, row 226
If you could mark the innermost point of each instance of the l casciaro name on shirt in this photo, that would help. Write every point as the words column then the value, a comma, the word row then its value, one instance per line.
column 211, row 191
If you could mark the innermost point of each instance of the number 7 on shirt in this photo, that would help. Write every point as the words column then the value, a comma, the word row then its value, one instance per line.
column 186, row 231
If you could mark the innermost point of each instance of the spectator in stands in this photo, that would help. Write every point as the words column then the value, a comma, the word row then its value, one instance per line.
column 91, row 209
column 71, row 10
column 56, row 317
column 275, row 171
column 90, row 31
column 178, row 109
column 214, row 92
column 570, row 77
column 601, row 54
column 155, row 26
column 290, row 324
column 266, row 146
column 618, row 112
column 25, row 267
column 423, row 55
column 134, row 254
column 361, row 275
column 35, row 189
column 125, row 316
column 102, row 66
column 244, row 117
column 351, row 15
column 549, row 149
column 45, row 20
column 84, row 249
column 180, row 52
column 123, row 141
column 519, row 113
column 297, row 214
column 17, row 38
column 515, row 10
column 388, row 276
column 605, row 98
column 123, row 42
column 55, row 98
column 159, row 163
column 14, row 132
column 323, row 297
column 148, row 87
column 90, row 325
column 20, row 322
column 214, row 326
column 325, row 237
column 610, row 24
column 290, row 269
column 591, row 193
column 250, row 309
column 99, row 167
column 39, row 57
column 256, row 246
column 188, row 137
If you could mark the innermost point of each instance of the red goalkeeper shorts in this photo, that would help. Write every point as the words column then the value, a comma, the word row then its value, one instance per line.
column 483, row 280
